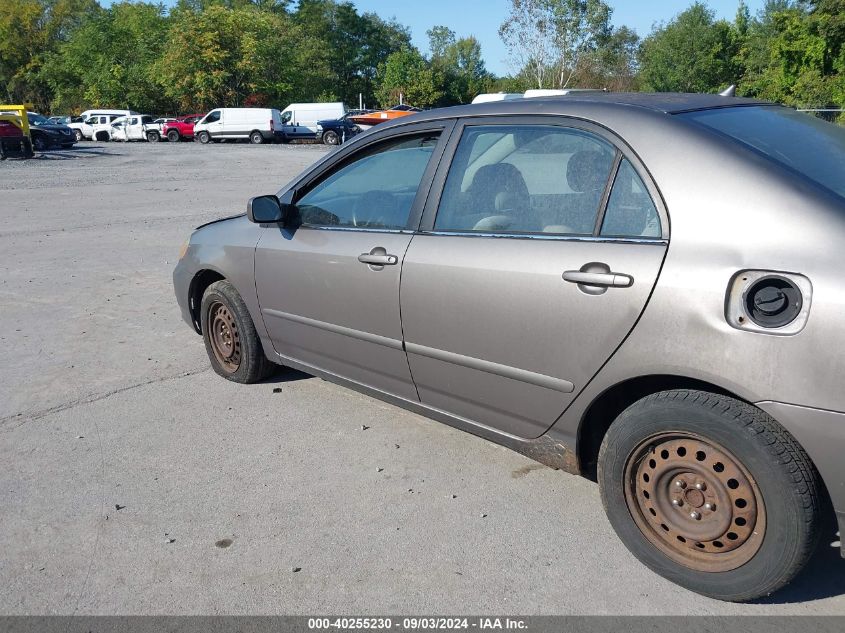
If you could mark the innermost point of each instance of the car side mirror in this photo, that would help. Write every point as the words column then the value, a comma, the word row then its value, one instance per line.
column 269, row 210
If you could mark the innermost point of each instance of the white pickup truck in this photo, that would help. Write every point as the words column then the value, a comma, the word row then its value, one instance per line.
column 83, row 128
column 135, row 127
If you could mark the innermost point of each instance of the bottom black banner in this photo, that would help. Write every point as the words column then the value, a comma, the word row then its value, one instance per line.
column 530, row 624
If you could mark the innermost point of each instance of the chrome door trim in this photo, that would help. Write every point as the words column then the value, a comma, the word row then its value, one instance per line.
column 506, row 371
column 336, row 329
column 359, row 229
column 562, row 237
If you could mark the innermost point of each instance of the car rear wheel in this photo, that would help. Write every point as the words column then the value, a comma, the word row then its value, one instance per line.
column 256, row 138
column 331, row 138
column 204, row 137
column 231, row 341
column 39, row 143
column 711, row 493
column 173, row 136
column 153, row 137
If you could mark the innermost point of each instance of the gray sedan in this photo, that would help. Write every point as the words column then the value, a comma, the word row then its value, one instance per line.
column 642, row 289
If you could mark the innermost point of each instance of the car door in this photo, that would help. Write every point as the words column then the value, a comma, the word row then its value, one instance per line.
column 329, row 289
column 214, row 122
column 529, row 271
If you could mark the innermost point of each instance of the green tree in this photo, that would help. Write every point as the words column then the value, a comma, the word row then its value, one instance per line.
column 795, row 53
column 29, row 31
column 407, row 74
column 347, row 47
column 555, row 40
column 220, row 56
column 109, row 60
column 692, row 53
column 458, row 64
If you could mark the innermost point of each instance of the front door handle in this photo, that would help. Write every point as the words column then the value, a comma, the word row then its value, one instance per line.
column 604, row 280
column 378, row 259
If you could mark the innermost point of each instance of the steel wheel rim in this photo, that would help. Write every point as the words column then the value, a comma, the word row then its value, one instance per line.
column 224, row 337
column 694, row 501
column 332, row 138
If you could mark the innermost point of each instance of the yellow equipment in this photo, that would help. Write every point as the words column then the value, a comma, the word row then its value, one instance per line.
column 11, row 144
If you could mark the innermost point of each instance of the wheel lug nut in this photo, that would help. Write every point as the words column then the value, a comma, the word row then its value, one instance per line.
column 695, row 515
column 701, row 486
column 677, row 502
column 709, row 506
column 681, row 484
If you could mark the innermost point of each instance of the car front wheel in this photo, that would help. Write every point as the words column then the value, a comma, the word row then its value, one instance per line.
column 78, row 135
column 331, row 138
column 204, row 138
column 711, row 493
column 231, row 340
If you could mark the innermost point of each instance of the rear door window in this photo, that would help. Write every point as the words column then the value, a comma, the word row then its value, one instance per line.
column 526, row 179
column 630, row 209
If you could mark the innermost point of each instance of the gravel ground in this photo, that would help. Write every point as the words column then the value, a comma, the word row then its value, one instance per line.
column 136, row 481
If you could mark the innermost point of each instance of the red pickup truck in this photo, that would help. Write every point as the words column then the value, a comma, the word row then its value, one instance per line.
column 181, row 128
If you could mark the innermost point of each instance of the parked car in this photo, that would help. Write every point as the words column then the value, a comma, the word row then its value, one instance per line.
column 45, row 135
column 84, row 124
column 641, row 288
column 259, row 125
column 181, row 128
column 154, row 130
column 337, row 131
column 300, row 120
column 60, row 120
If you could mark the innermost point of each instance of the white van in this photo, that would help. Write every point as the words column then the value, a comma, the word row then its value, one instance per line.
column 84, row 128
column 256, row 124
column 299, row 120
column 488, row 97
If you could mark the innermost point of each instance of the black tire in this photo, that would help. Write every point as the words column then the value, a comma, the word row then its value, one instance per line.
column 39, row 143
column 256, row 138
column 204, row 137
column 153, row 137
column 173, row 136
column 331, row 137
column 782, row 486
column 223, row 307
column 78, row 135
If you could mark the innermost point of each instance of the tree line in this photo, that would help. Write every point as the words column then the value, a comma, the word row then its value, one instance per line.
column 69, row 55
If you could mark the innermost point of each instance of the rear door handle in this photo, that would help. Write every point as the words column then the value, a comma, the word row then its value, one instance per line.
column 378, row 260
column 605, row 280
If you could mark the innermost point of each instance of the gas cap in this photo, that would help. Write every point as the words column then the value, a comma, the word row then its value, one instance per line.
column 773, row 302
column 769, row 302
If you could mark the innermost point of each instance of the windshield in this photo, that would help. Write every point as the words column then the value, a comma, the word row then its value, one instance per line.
column 36, row 119
column 800, row 141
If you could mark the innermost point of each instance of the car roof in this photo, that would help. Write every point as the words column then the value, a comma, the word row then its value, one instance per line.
column 656, row 102
column 667, row 102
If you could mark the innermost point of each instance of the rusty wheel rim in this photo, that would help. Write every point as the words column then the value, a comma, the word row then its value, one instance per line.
column 224, row 337
column 695, row 502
